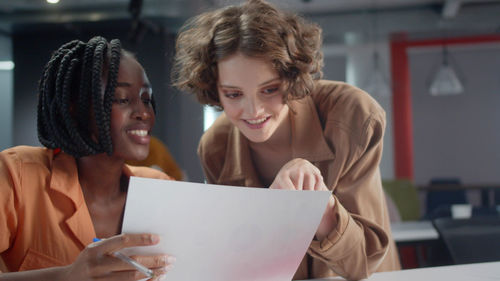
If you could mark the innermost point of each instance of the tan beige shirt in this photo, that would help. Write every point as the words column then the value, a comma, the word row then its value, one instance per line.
column 44, row 220
column 339, row 129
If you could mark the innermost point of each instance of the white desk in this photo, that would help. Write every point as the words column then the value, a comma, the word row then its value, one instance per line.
column 413, row 231
column 468, row 272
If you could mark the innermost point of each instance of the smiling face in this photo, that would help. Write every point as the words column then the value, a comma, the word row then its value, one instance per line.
column 250, row 91
column 132, row 115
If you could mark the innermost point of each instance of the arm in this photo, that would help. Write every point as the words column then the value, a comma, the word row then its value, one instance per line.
column 350, row 239
column 46, row 274
column 93, row 262
column 358, row 243
column 96, row 262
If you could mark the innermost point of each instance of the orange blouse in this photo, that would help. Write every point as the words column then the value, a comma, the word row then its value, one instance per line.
column 44, row 220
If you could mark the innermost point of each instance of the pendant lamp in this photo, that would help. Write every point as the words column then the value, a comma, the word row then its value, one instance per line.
column 377, row 84
column 446, row 81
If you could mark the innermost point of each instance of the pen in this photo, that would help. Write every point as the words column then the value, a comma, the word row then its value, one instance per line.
column 144, row 270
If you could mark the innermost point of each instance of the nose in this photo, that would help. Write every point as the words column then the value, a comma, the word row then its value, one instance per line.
column 254, row 106
column 142, row 111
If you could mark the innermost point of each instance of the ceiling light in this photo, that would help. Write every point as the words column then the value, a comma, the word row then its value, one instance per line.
column 446, row 81
column 52, row 1
column 6, row 65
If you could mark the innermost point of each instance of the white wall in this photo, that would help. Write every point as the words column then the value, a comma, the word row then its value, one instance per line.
column 353, row 34
column 459, row 135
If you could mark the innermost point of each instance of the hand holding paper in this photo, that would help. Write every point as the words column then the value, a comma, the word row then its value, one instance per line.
column 224, row 232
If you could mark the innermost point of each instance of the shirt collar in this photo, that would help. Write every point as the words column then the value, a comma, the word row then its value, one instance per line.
column 308, row 142
column 64, row 179
column 238, row 163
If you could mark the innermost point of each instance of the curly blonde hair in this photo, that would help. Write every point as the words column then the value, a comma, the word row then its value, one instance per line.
column 255, row 29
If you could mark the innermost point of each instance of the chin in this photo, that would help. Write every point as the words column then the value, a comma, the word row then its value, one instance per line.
column 139, row 154
column 142, row 156
column 257, row 139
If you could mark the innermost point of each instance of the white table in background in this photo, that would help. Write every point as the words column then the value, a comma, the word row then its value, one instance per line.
column 413, row 231
column 467, row 272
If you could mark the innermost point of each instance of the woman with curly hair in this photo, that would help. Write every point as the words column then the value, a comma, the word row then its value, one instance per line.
column 95, row 110
column 284, row 128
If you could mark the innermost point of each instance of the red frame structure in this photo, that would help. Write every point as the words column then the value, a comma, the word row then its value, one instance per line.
column 401, row 94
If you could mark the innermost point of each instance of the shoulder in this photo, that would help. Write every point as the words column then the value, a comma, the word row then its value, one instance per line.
column 341, row 101
column 347, row 106
column 22, row 167
column 348, row 114
column 146, row 172
column 26, row 155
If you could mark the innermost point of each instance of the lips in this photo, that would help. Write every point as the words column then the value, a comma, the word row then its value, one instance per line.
column 256, row 123
column 139, row 135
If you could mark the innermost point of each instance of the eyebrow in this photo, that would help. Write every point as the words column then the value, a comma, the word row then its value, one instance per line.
column 126, row 84
column 261, row 84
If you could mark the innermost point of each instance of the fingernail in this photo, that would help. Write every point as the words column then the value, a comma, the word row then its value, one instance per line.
column 154, row 238
column 171, row 259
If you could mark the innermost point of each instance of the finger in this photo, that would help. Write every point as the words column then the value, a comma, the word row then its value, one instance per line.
column 298, row 181
column 285, row 183
column 310, row 182
column 288, row 184
column 128, row 275
column 320, row 184
column 156, row 261
column 280, row 181
column 121, row 241
column 109, row 264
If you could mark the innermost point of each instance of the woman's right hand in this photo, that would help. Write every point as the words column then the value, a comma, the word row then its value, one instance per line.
column 96, row 261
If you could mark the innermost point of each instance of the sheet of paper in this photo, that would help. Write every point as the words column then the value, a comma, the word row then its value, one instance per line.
column 224, row 233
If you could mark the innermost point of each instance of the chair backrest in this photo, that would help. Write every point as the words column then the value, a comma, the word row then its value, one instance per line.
column 438, row 202
column 405, row 196
column 471, row 240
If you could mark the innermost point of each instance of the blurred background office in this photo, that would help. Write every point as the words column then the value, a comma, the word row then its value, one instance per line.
column 434, row 65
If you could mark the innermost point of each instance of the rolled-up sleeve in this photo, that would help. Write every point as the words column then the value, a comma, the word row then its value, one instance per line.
column 358, row 244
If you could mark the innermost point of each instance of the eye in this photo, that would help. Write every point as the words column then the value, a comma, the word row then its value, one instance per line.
column 146, row 101
column 232, row 95
column 120, row 101
column 270, row 90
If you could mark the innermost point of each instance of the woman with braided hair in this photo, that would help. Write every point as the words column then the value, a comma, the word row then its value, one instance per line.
column 284, row 128
column 95, row 111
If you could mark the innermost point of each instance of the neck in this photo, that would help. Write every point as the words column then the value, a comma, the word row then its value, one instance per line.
column 279, row 141
column 100, row 177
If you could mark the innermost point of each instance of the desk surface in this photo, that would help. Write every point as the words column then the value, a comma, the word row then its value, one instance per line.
column 413, row 231
column 433, row 187
column 467, row 272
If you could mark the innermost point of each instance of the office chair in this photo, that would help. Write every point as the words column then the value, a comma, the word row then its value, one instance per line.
column 404, row 194
column 472, row 240
column 438, row 202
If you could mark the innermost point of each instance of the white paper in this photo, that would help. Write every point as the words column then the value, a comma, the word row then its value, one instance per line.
column 224, row 233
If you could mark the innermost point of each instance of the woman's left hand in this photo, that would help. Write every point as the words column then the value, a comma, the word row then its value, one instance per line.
column 300, row 174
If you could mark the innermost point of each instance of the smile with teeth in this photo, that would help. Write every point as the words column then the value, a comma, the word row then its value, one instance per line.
column 140, row 133
column 256, row 121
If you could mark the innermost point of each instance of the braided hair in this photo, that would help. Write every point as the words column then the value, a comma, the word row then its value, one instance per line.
column 70, row 88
